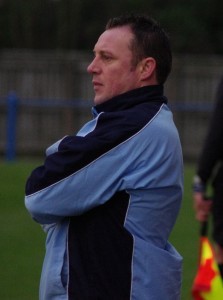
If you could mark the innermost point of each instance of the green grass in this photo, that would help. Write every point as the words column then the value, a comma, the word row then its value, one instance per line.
column 185, row 236
column 22, row 240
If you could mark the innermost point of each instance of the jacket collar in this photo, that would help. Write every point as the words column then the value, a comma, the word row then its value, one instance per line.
column 153, row 93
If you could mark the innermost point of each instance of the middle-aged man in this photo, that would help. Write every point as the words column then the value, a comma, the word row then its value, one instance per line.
column 108, row 197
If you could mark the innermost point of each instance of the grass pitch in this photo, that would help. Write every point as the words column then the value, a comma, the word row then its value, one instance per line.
column 22, row 240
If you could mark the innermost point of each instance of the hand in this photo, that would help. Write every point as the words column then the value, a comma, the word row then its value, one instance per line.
column 202, row 207
column 219, row 253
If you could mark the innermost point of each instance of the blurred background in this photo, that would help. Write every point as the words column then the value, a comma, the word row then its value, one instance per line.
column 46, row 93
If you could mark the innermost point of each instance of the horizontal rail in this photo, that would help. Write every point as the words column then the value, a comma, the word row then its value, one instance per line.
column 12, row 103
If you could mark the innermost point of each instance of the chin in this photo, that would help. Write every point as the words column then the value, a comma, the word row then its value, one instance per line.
column 99, row 100
column 96, row 101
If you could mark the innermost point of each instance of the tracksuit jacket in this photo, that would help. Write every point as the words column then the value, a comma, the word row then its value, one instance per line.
column 108, row 198
column 210, row 164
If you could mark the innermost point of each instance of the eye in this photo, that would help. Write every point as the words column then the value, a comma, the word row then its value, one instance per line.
column 106, row 57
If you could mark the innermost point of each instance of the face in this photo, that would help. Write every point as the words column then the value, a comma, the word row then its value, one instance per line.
column 111, row 68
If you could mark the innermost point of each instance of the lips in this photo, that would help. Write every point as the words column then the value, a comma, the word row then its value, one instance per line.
column 96, row 84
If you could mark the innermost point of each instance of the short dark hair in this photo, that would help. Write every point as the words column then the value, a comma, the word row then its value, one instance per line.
column 150, row 41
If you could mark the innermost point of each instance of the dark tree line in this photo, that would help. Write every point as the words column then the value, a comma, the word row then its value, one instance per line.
column 195, row 26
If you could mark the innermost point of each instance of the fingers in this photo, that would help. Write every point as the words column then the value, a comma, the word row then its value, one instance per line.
column 201, row 216
column 202, row 207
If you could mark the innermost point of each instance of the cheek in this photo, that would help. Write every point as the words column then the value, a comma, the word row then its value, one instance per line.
column 120, row 78
column 117, row 86
column 121, row 81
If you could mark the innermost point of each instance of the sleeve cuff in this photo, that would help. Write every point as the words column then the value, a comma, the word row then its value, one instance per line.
column 198, row 186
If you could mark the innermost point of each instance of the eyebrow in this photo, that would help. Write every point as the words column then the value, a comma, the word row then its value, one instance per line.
column 103, row 52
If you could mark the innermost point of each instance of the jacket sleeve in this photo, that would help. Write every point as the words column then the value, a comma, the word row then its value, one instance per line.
column 79, row 173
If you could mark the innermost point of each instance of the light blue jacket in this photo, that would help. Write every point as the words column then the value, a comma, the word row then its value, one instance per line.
column 108, row 199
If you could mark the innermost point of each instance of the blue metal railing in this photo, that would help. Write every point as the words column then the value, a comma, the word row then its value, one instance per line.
column 12, row 103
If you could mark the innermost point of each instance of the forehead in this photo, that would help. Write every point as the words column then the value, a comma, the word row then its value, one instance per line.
column 115, row 39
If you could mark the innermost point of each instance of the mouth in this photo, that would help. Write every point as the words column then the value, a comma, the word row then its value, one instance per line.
column 96, row 84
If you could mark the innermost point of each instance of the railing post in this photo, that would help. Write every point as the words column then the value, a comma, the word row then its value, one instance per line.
column 12, row 104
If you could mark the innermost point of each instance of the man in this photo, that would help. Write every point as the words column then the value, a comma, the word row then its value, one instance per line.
column 210, row 171
column 109, row 196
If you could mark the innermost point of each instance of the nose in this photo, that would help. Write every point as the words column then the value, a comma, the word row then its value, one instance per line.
column 93, row 67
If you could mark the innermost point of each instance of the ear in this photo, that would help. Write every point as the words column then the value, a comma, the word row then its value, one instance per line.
column 147, row 68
